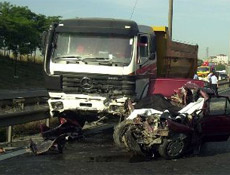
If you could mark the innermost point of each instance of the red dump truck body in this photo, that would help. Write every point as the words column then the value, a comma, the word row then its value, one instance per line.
column 167, row 86
column 176, row 64
column 174, row 59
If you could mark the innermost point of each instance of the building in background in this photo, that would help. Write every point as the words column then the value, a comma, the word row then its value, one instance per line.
column 219, row 59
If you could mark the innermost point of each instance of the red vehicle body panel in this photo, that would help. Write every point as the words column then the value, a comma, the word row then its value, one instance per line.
column 167, row 86
column 179, row 128
column 216, row 125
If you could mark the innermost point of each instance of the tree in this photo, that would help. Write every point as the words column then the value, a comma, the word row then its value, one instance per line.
column 199, row 62
column 20, row 28
column 220, row 67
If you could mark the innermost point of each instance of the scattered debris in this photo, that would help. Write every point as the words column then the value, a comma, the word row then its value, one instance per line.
column 55, row 138
column 56, row 144
column 2, row 150
column 160, row 125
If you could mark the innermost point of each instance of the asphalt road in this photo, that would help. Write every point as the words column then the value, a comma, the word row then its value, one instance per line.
column 99, row 155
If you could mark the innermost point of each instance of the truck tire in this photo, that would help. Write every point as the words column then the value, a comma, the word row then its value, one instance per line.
column 74, row 116
column 81, row 120
column 172, row 148
column 119, row 132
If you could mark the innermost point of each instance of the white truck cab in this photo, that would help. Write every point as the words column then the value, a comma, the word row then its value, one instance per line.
column 94, row 65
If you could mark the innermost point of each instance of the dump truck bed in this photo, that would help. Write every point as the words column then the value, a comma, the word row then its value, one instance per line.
column 174, row 59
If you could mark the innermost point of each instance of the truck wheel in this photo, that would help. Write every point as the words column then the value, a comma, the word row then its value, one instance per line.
column 172, row 149
column 74, row 116
column 81, row 120
column 119, row 132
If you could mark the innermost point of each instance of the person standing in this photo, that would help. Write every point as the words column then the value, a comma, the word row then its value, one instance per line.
column 209, row 77
column 196, row 76
column 214, row 83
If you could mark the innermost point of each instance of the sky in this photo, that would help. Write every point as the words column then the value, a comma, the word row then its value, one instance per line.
column 202, row 22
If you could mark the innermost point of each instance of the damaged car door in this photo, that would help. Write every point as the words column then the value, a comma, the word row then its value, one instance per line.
column 215, row 124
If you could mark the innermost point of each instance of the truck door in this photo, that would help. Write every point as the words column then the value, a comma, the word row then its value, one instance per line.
column 216, row 123
column 145, row 64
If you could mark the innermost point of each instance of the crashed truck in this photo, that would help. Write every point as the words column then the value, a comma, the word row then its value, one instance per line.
column 94, row 66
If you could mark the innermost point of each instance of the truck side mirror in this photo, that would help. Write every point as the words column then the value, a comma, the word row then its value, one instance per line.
column 152, row 56
column 143, row 45
column 152, row 47
column 43, row 44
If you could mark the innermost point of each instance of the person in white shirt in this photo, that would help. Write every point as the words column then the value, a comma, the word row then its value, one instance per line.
column 195, row 76
column 214, row 83
column 209, row 77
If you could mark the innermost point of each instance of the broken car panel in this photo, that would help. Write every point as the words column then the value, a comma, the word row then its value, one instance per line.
column 151, row 131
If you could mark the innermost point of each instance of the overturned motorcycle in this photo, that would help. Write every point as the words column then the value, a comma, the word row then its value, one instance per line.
column 150, row 132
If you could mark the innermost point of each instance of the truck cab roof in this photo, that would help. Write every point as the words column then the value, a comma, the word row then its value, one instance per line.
column 98, row 25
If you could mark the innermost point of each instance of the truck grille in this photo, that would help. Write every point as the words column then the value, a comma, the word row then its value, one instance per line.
column 103, row 84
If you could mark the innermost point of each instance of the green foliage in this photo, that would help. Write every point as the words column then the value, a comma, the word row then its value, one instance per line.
column 29, row 74
column 20, row 28
column 220, row 67
column 199, row 62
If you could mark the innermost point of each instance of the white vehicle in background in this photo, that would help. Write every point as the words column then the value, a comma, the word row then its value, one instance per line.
column 222, row 75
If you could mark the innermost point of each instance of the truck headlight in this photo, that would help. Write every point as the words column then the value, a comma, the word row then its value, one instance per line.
column 57, row 105
column 106, row 102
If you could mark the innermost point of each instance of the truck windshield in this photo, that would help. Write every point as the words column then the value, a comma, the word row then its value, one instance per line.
column 93, row 48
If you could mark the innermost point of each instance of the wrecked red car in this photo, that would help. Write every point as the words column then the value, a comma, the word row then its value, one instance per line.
column 173, row 134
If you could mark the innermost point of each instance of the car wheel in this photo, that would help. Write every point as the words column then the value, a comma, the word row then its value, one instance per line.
column 119, row 132
column 131, row 143
column 172, row 148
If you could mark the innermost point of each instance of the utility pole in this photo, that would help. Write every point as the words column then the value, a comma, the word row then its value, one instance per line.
column 15, row 62
column 207, row 53
column 229, row 53
column 170, row 18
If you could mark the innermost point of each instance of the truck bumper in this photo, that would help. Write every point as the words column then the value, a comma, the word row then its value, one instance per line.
column 60, row 102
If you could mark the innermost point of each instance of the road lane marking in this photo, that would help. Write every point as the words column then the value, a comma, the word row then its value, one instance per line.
column 12, row 154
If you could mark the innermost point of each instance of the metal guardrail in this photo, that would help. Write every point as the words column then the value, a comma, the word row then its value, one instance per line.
column 40, row 110
column 224, row 85
column 22, row 110
column 20, row 117
column 10, row 119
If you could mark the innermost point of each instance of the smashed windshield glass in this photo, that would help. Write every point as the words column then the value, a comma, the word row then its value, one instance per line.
column 93, row 48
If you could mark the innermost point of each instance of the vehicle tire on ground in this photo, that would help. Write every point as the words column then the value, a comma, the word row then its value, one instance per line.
column 119, row 131
column 131, row 142
column 172, row 148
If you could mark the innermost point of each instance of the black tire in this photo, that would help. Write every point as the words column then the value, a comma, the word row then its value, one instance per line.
column 172, row 148
column 131, row 143
column 119, row 132
column 81, row 120
column 74, row 116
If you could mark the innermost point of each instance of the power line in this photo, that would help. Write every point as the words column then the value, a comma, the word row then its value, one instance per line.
column 134, row 7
